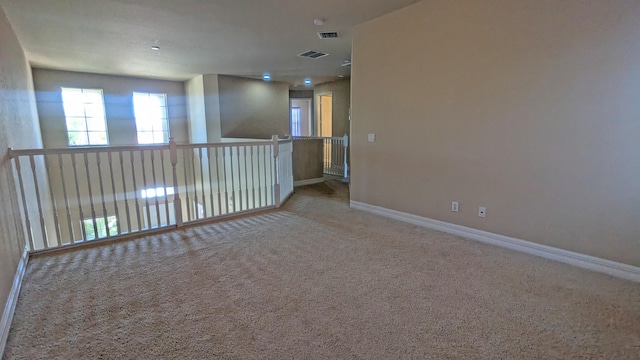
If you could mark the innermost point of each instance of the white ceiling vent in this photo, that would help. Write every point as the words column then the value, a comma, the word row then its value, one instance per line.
column 311, row 54
column 329, row 35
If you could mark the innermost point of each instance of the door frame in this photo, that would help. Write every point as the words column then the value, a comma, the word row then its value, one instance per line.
column 317, row 111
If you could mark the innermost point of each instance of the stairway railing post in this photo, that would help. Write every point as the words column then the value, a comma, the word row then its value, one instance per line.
column 177, row 202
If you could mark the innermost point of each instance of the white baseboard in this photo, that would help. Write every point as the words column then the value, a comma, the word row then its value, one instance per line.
column 609, row 267
column 12, row 300
column 308, row 182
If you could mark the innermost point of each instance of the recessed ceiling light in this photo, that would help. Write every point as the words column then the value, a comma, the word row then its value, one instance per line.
column 155, row 47
column 307, row 82
column 266, row 77
column 340, row 76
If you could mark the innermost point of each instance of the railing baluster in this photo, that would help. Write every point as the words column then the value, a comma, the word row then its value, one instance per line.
column 166, row 195
column 135, row 190
column 246, row 178
column 43, row 228
column 53, row 201
column 177, row 201
column 155, row 186
column 239, row 178
column 218, row 180
column 226, row 185
column 213, row 212
column 186, row 183
column 104, row 205
column 233, row 185
column 253, row 181
column 93, row 209
column 124, row 193
column 259, row 177
column 195, row 187
column 66, row 199
column 115, row 198
column 146, row 187
column 204, row 201
column 81, row 212
column 267, row 188
column 24, row 203
column 274, row 170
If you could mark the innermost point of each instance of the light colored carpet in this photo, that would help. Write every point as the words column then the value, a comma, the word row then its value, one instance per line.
column 317, row 280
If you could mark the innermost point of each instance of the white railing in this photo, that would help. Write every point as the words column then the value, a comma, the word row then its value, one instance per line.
column 75, row 195
column 335, row 154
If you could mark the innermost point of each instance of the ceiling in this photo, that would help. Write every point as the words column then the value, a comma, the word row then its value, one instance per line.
column 232, row 37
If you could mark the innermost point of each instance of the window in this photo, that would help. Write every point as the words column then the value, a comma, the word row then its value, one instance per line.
column 295, row 121
column 151, row 118
column 84, row 114
column 156, row 192
column 111, row 225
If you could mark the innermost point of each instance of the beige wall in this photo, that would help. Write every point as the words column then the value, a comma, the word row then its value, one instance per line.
column 253, row 108
column 118, row 98
column 18, row 129
column 341, row 91
column 529, row 108
column 196, row 110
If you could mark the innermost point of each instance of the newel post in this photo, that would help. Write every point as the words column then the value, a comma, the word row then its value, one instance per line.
column 276, row 176
column 177, row 202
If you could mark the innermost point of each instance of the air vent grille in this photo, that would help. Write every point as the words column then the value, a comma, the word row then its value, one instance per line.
column 329, row 35
column 311, row 54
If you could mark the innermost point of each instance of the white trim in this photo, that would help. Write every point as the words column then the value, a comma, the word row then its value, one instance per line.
column 308, row 182
column 12, row 300
column 609, row 267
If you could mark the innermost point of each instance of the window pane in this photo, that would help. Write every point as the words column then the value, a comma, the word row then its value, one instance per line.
column 112, row 225
column 72, row 96
column 73, row 109
column 78, row 138
column 96, row 124
column 92, row 96
column 159, row 137
column 155, row 113
column 145, row 137
column 98, row 138
column 76, row 124
column 144, row 125
column 157, row 100
column 94, row 110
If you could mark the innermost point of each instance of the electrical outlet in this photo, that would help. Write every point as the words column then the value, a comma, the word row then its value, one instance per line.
column 454, row 206
column 371, row 137
column 482, row 211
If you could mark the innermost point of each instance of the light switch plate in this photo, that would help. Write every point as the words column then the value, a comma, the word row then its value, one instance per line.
column 372, row 137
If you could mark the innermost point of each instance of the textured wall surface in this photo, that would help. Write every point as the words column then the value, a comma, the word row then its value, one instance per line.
column 253, row 108
column 18, row 129
column 529, row 108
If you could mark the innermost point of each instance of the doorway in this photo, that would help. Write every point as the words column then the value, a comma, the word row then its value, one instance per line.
column 300, row 115
column 325, row 115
